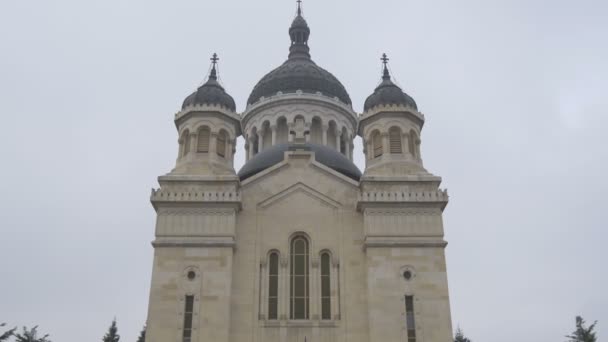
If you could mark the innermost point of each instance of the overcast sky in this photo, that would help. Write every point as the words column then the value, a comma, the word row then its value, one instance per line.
column 514, row 94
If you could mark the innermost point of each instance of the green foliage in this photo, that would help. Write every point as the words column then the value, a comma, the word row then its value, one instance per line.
column 7, row 334
column 460, row 336
column 582, row 333
column 112, row 334
column 31, row 335
column 142, row 335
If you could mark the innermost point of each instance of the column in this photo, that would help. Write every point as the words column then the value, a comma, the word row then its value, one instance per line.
column 284, row 288
column 338, row 136
column 273, row 128
column 314, row 293
column 335, row 290
column 263, row 291
column 324, row 129
column 347, row 145
column 385, row 147
column 251, row 142
column 261, row 140
column 213, row 145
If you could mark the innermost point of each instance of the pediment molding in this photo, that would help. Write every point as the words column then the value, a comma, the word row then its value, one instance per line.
column 299, row 188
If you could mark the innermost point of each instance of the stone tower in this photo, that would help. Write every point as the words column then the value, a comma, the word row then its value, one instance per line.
column 299, row 244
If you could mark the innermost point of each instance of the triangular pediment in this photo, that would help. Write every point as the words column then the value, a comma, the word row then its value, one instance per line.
column 298, row 189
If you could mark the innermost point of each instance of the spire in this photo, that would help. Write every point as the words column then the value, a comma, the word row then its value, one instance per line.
column 299, row 32
column 385, row 74
column 213, row 73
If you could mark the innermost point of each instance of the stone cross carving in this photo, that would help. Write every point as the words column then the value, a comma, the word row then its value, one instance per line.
column 299, row 131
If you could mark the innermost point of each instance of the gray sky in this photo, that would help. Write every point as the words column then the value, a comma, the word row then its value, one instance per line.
column 513, row 92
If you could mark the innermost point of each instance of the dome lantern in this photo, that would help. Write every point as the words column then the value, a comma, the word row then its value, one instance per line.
column 388, row 93
column 212, row 92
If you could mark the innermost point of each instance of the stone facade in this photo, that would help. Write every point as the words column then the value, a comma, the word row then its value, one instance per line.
column 226, row 263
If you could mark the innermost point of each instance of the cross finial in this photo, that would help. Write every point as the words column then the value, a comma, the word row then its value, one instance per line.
column 214, row 59
column 385, row 59
column 299, row 7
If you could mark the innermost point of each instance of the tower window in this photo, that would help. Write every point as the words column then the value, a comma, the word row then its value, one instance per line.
column 299, row 290
column 394, row 137
column 203, row 140
column 377, row 144
column 325, row 286
column 410, row 321
column 273, row 286
column 413, row 144
column 221, row 144
column 188, row 312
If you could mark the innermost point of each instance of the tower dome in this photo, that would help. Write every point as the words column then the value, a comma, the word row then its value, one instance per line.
column 299, row 72
column 388, row 93
column 212, row 92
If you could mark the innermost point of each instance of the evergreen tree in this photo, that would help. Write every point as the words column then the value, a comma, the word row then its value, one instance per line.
column 460, row 336
column 112, row 334
column 5, row 335
column 142, row 335
column 31, row 335
column 582, row 333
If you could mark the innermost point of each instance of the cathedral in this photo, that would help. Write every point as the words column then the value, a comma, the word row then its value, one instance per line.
column 299, row 244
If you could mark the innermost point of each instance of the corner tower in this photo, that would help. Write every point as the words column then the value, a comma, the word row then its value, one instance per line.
column 197, row 206
column 402, row 208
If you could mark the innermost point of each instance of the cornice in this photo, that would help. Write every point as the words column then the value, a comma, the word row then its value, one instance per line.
column 375, row 199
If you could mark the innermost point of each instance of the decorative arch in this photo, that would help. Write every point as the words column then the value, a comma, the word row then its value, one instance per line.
column 316, row 130
column 332, row 133
column 266, row 139
column 282, row 130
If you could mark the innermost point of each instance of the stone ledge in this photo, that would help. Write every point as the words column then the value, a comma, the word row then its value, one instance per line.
column 205, row 242
column 388, row 242
column 383, row 198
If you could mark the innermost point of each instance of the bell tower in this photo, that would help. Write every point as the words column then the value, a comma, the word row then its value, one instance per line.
column 402, row 207
column 196, row 205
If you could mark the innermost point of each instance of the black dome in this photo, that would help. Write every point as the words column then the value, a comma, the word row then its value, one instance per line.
column 323, row 154
column 299, row 74
column 211, row 93
column 388, row 93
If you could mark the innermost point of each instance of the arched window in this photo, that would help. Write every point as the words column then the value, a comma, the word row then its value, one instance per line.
column 412, row 142
column 273, row 286
column 203, row 140
column 325, row 286
column 221, row 143
column 394, row 138
column 332, row 131
column 376, row 144
column 186, row 138
column 299, row 290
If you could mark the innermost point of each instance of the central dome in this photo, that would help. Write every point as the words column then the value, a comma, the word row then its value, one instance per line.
column 299, row 72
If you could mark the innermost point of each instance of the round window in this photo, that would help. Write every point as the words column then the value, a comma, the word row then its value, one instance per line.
column 407, row 275
column 191, row 275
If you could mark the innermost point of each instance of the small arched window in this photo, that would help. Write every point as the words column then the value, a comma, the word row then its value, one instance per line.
column 394, row 138
column 221, row 143
column 325, row 286
column 299, row 290
column 376, row 144
column 186, row 138
column 273, row 286
column 202, row 145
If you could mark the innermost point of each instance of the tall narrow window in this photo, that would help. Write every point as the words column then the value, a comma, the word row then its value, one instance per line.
column 299, row 291
column 377, row 144
column 325, row 287
column 203, row 140
column 394, row 137
column 409, row 316
column 221, row 143
column 186, row 138
column 188, row 311
column 273, row 286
